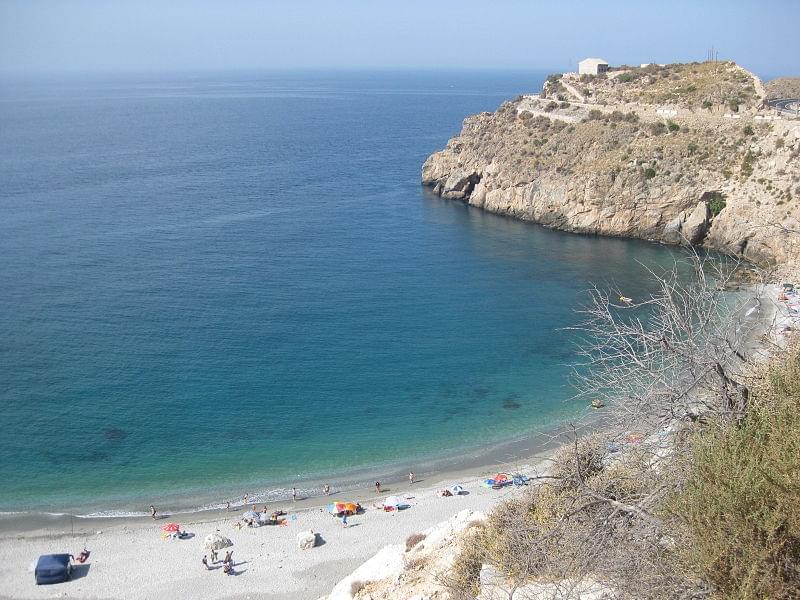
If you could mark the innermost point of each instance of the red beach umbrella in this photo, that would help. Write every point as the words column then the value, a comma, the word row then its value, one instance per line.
column 171, row 527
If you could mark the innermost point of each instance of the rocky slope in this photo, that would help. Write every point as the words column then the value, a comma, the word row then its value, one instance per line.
column 783, row 87
column 622, row 155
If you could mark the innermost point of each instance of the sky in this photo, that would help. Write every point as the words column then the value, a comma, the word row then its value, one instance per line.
column 118, row 36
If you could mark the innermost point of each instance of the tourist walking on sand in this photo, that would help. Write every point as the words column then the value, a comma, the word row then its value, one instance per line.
column 294, row 494
column 344, row 519
column 411, row 477
column 214, row 556
column 327, row 489
column 378, row 486
column 205, row 562
column 152, row 511
column 228, row 506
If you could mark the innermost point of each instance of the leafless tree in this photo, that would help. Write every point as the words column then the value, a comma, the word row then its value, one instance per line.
column 676, row 354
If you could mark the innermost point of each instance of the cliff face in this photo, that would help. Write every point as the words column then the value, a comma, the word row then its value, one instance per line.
column 676, row 173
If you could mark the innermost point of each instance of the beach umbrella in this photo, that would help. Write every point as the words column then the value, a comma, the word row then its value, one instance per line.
column 456, row 489
column 351, row 507
column 216, row 541
column 501, row 478
column 250, row 514
column 337, row 508
column 171, row 527
column 392, row 502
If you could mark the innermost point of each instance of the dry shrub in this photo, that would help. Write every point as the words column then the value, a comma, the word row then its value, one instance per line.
column 463, row 580
column 590, row 452
column 742, row 498
column 575, row 529
column 413, row 540
column 356, row 587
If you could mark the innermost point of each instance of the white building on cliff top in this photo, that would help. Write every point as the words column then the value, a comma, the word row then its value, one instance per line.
column 592, row 66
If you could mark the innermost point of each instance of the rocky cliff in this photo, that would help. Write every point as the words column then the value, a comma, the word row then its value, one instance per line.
column 706, row 163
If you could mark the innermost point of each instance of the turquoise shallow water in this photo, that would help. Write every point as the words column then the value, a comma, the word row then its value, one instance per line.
column 215, row 284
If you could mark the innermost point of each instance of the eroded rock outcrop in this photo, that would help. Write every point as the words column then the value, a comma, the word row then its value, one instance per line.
column 696, row 176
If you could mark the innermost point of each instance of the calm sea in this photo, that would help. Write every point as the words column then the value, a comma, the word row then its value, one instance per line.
column 220, row 284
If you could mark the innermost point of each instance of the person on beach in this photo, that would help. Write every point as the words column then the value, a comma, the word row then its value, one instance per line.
column 228, row 506
column 152, row 511
column 294, row 494
column 264, row 510
column 327, row 489
column 205, row 563
column 214, row 556
column 245, row 500
column 378, row 486
column 411, row 477
column 344, row 519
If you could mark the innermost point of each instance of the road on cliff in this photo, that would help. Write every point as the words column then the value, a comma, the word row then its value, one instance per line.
column 789, row 106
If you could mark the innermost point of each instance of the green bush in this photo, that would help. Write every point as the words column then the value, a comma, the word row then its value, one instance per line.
column 626, row 77
column 673, row 126
column 741, row 500
column 748, row 130
column 649, row 173
column 716, row 203
column 707, row 104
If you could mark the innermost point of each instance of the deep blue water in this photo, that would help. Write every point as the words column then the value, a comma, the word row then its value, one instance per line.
column 218, row 284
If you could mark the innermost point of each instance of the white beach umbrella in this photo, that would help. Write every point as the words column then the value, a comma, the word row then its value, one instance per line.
column 392, row 502
column 250, row 514
column 457, row 489
column 216, row 541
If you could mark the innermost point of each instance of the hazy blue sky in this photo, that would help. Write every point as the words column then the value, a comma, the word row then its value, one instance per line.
column 148, row 35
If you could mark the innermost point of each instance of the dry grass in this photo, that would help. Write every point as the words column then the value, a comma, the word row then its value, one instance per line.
column 694, row 85
column 742, row 498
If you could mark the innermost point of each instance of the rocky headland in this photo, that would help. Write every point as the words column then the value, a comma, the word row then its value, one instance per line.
column 680, row 154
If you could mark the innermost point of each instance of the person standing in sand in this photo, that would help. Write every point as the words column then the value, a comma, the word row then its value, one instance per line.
column 378, row 486
column 327, row 489
column 294, row 494
column 411, row 477
column 344, row 519
column 152, row 511
column 228, row 506
column 205, row 562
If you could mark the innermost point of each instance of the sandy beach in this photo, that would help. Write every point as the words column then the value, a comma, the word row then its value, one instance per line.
column 130, row 560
